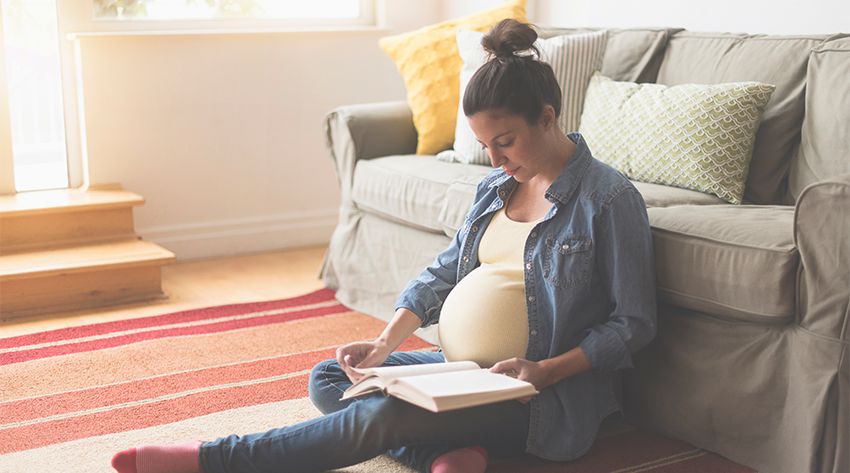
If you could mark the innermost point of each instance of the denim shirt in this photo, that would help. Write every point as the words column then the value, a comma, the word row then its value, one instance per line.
column 589, row 282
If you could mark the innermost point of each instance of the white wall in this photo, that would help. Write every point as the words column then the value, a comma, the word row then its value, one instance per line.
column 222, row 133
column 750, row 16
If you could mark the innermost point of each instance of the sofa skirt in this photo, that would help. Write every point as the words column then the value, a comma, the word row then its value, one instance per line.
column 758, row 394
column 371, row 259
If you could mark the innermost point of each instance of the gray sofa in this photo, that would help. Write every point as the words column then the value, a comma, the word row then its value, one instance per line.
column 752, row 357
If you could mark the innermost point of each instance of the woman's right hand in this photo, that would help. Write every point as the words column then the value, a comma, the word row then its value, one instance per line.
column 361, row 355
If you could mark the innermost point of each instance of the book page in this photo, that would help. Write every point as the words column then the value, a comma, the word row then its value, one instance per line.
column 392, row 372
column 464, row 383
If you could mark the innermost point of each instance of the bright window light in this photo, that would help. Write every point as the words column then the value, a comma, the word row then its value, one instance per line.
column 35, row 94
column 216, row 9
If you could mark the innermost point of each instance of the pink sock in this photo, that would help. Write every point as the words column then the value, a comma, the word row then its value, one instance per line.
column 180, row 458
column 463, row 460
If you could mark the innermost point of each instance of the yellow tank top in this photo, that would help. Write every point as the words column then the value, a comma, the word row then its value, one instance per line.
column 484, row 318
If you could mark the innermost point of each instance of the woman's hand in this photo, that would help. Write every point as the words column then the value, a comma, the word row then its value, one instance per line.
column 530, row 371
column 361, row 355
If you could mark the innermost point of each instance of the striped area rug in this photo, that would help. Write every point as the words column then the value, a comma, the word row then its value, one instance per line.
column 70, row 398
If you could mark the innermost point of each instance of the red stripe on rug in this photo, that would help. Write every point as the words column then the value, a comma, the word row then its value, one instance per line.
column 58, row 350
column 17, row 411
column 152, row 414
column 322, row 295
column 80, row 400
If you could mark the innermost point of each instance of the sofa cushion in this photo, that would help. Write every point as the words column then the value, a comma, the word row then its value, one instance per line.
column 632, row 54
column 694, row 136
column 710, row 58
column 409, row 188
column 825, row 143
column 737, row 262
column 428, row 61
column 657, row 195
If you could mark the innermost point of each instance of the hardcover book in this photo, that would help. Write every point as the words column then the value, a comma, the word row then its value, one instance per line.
column 440, row 387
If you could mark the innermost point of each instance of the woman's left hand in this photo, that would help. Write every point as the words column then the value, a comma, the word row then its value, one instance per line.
column 526, row 370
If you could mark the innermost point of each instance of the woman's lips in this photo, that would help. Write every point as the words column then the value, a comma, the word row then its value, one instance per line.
column 511, row 172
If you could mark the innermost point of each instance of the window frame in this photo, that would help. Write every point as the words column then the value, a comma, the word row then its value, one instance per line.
column 78, row 17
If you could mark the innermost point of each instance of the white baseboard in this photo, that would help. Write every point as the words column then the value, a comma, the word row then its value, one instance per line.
column 246, row 235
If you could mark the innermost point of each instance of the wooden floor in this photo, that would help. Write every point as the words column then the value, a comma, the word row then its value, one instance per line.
column 202, row 283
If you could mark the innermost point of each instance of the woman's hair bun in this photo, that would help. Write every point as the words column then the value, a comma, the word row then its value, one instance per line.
column 508, row 37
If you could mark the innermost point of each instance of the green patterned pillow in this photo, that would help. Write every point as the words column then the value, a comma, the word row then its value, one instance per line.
column 697, row 137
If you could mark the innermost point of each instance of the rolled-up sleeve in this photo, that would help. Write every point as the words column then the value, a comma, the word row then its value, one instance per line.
column 626, row 266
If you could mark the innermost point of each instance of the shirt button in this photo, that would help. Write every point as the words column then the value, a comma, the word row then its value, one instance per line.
column 534, row 332
column 527, row 265
column 530, row 298
column 533, row 234
column 565, row 247
column 466, row 259
column 475, row 228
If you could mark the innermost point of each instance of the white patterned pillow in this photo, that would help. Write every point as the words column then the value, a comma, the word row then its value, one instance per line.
column 697, row 137
column 574, row 59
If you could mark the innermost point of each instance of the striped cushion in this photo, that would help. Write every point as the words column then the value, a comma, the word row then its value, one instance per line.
column 574, row 58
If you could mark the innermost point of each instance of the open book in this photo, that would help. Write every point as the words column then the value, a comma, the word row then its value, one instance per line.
column 440, row 387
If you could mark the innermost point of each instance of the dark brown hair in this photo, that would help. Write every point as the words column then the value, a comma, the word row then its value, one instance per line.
column 519, row 84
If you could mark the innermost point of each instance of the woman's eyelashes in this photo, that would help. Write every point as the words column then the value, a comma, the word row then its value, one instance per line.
column 499, row 145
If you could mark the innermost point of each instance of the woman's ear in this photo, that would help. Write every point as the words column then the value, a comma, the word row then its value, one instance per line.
column 548, row 118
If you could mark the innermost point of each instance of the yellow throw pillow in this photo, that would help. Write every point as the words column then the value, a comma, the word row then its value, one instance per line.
column 429, row 63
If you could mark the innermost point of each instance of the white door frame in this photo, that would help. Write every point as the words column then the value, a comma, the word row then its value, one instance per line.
column 7, row 170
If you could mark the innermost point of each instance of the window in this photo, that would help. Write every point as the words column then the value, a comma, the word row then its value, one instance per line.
column 292, row 12
column 36, row 113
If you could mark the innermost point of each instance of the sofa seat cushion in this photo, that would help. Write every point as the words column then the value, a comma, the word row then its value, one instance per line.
column 410, row 188
column 459, row 198
column 659, row 195
column 736, row 262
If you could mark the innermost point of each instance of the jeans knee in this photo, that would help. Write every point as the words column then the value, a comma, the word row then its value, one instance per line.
column 324, row 386
column 390, row 421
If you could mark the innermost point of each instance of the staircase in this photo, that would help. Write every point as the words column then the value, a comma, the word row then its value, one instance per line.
column 67, row 249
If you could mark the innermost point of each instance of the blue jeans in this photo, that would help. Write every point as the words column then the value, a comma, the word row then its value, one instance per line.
column 358, row 429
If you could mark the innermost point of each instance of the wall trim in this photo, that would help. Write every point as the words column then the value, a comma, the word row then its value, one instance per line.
column 217, row 238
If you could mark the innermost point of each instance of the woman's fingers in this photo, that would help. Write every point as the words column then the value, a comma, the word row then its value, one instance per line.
column 510, row 367
column 346, row 366
column 359, row 355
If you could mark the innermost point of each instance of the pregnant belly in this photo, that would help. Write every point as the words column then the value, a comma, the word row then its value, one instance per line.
column 484, row 318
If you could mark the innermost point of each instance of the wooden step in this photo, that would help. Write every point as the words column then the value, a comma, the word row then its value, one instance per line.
column 30, row 220
column 70, row 278
column 65, row 200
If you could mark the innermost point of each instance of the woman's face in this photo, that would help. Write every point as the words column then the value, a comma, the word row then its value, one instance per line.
column 511, row 142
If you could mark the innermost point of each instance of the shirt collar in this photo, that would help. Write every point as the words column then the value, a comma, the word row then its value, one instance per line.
column 562, row 190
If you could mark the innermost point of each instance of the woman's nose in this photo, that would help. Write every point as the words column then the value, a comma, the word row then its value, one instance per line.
column 496, row 159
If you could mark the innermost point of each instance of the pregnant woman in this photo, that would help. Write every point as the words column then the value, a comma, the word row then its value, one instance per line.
column 550, row 279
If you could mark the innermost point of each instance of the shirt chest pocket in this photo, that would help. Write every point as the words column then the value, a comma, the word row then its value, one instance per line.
column 567, row 261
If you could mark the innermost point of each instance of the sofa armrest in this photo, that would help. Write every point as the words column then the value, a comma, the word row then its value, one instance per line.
column 367, row 131
column 822, row 236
